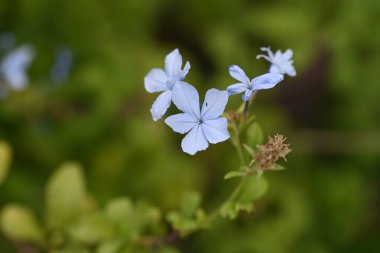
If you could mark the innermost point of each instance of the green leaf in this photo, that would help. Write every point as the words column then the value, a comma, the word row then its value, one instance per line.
column 232, row 209
column 19, row 224
column 5, row 160
column 91, row 229
column 168, row 249
column 255, row 135
column 277, row 167
column 119, row 210
column 183, row 224
column 112, row 246
column 190, row 203
column 229, row 210
column 248, row 122
column 65, row 195
column 254, row 188
column 233, row 174
column 245, row 207
column 249, row 149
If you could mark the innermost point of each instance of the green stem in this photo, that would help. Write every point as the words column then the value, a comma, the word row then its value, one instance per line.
column 238, row 145
column 234, row 194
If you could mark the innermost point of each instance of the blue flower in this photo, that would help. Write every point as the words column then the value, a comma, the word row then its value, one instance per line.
column 14, row 66
column 282, row 63
column 262, row 82
column 204, row 125
column 63, row 63
column 159, row 80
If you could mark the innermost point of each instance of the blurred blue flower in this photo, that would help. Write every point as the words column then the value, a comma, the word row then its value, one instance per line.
column 282, row 63
column 61, row 68
column 262, row 82
column 159, row 80
column 204, row 126
column 13, row 68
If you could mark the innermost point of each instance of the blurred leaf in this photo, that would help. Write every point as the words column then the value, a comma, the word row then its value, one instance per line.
column 276, row 167
column 249, row 149
column 232, row 209
column 183, row 224
column 19, row 224
column 234, row 173
column 91, row 229
column 228, row 210
column 119, row 210
column 109, row 247
column 5, row 159
column 168, row 249
column 190, row 203
column 254, row 188
column 255, row 135
column 65, row 195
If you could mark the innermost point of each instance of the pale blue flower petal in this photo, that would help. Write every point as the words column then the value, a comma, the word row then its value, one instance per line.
column 155, row 81
column 274, row 69
column 215, row 130
column 194, row 141
column 281, row 62
column 266, row 81
column 181, row 123
column 185, row 70
column 277, row 57
column 247, row 95
column 173, row 63
column 237, row 88
column 15, row 65
column 186, row 98
column 214, row 104
column 289, row 69
column 161, row 105
column 239, row 74
column 270, row 53
column 287, row 54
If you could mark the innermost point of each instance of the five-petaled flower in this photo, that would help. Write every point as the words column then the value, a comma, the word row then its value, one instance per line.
column 282, row 63
column 13, row 69
column 159, row 80
column 247, row 86
column 204, row 125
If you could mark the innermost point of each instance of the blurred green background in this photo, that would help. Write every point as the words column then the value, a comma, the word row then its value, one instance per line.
column 328, row 199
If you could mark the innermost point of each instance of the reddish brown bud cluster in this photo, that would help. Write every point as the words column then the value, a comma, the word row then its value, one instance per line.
column 269, row 153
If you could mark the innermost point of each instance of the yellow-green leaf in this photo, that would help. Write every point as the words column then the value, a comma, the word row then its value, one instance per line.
column 234, row 173
column 5, row 160
column 255, row 135
column 65, row 195
column 19, row 223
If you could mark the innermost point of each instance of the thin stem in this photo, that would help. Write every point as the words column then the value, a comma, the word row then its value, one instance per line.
column 246, row 107
column 234, row 194
column 253, row 97
column 238, row 145
column 237, row 190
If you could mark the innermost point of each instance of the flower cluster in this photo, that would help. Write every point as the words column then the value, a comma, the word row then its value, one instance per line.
column 206, row 125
